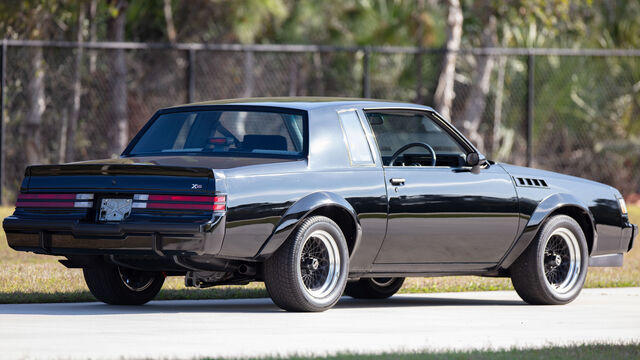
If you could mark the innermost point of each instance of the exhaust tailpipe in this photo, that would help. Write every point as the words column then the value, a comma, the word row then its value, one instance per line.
column 248, row 270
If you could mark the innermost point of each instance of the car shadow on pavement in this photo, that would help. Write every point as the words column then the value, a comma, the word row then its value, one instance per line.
column 409, row 301
column 249, row 306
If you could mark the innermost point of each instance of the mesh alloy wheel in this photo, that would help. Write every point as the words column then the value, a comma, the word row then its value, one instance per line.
column 136, row 280
column 319, row 263
column 561, row 261
column 382, row 282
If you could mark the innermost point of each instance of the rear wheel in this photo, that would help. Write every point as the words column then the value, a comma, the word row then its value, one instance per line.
column 309, row 271
column 553, row 269
column 374, row 288
column 121, row 286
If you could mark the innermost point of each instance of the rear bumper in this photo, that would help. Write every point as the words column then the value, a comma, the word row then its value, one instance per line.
column 61, row 237
column 629, row 232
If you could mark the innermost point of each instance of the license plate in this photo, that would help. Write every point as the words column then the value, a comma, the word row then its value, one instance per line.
column 114, row 209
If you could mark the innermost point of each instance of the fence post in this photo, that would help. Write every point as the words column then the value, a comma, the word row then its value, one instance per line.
column 3, row 75
column 530, row 100
column 191, row 66
column 366, row 72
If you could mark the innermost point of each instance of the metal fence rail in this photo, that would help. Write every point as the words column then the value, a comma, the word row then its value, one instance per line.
column 569, row 110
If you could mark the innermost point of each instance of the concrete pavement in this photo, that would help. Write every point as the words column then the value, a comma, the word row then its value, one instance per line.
column 256, row 327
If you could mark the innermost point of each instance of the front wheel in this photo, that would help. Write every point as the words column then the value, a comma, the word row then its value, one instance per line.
column 309, row 271
column 552, row 270
column 374, row 288
column 121, row 286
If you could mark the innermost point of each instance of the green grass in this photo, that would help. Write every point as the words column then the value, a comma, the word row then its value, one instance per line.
column 28, row 278
column 583, row 352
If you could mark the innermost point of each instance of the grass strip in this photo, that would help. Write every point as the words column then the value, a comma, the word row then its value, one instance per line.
column 583, row 352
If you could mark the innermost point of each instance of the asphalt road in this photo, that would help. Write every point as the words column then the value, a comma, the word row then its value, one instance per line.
column 187, row 329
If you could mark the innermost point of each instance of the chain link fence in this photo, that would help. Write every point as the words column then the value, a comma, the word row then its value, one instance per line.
column 572, row 111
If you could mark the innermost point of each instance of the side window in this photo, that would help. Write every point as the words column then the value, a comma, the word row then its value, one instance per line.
column 357, row 144
column 393, row 130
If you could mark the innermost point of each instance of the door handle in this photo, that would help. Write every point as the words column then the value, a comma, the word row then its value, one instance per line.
column 397, row 181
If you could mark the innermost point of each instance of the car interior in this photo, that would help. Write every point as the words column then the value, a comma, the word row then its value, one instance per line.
column 395, row 131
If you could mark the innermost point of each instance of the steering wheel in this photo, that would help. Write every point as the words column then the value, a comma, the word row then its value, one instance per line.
column 411, row 145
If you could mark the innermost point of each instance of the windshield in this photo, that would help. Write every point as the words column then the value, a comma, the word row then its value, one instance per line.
column 223, row 132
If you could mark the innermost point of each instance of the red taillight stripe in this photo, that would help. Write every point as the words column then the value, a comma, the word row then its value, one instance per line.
column 45, row 204
column 180, row 202
column 54, row 200
column 214, row 207
column 47, row 197
column 207, row 199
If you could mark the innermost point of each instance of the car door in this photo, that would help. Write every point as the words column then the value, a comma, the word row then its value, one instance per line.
column 442, row 211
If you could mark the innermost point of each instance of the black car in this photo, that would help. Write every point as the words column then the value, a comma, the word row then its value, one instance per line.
column 315, row 197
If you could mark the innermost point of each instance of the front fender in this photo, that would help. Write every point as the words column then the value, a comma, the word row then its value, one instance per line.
column 544, row 209
column 298, row 212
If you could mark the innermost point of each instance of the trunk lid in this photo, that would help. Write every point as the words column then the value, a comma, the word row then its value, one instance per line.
column 118, row 177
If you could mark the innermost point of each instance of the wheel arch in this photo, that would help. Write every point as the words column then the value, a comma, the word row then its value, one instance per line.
column 582, row 218
column 323, row 203
column 556, row 204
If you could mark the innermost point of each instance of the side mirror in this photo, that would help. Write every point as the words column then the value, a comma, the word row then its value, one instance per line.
column 473, row 159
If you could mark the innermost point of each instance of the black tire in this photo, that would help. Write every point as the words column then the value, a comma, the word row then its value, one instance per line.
column 119, row 286
column 374, row 288
column 295, row 274
column 552, row 270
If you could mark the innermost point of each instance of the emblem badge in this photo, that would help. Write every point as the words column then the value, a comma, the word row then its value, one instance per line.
column 196, row 186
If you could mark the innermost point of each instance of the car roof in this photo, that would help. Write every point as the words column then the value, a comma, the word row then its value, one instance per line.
column 310, row 103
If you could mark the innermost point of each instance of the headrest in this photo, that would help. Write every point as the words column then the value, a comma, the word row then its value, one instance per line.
column 265, row 142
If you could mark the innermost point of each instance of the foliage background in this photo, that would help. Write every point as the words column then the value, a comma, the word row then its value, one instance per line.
column 67, row 104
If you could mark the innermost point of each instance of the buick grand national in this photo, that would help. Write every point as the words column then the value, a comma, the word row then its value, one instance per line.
column 316, row 197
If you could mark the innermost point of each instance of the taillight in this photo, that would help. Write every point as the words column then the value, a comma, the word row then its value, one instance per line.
column 180, row 202
column 55, row 200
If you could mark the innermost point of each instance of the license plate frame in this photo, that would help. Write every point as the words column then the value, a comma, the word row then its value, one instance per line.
column 114, row 210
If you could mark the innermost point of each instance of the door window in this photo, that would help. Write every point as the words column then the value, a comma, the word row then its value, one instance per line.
column 395, row 130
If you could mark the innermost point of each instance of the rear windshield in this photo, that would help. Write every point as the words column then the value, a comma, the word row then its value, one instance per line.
column 223, row 132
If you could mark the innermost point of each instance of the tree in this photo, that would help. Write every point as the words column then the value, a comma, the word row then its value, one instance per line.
column 473, row 113
column 116, row 31
column 37, row 105
column 168, row 18
column 67, row 151
column 444, row 91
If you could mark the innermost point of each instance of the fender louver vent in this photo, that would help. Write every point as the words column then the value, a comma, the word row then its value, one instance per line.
column 520, row 181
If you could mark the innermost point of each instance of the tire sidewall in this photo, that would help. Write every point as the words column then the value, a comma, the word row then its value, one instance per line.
column 332, row 229
column 387, row 290
column 549, row 227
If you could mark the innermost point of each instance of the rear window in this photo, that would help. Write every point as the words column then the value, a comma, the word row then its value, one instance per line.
column 223, row 132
